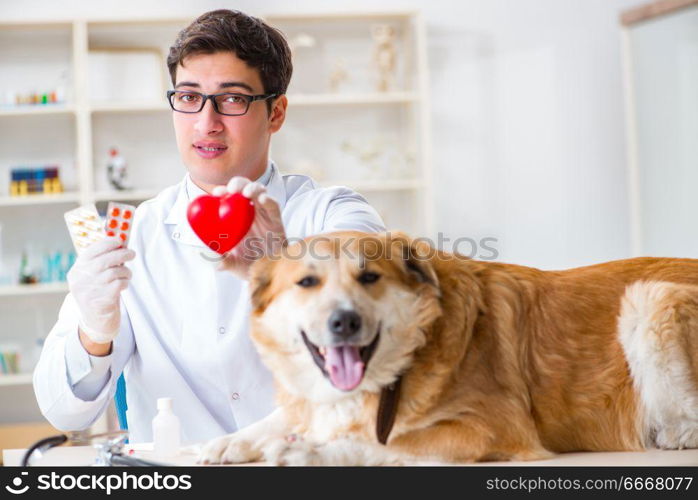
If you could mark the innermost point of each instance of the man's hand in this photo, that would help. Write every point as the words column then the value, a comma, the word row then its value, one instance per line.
column 96, row 281
column 266, row 235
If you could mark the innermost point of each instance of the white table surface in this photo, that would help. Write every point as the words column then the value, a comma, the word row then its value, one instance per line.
column 85, row 455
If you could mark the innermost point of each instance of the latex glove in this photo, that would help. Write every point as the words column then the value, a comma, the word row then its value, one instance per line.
column 266, row 235
column 96, row 281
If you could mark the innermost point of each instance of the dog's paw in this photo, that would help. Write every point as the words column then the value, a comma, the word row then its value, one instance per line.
column 228, row 449
column 677, row 437
column 292, row 453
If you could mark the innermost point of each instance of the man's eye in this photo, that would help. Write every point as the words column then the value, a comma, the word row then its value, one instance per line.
column 234, row 99
column 188, row 97
column 308, row 281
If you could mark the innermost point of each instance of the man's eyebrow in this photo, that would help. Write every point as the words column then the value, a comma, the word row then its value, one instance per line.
column 187, row 84
column 224, row 85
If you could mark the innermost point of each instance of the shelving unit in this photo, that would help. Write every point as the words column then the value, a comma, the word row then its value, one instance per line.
column 39, row 57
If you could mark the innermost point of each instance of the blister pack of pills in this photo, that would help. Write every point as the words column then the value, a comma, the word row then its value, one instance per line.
column 86, row 226
column 119, row 220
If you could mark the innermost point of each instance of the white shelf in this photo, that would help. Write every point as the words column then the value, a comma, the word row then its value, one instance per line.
column 9, row 379
column 134, row 195
column 39, row 199
column 37, row 109
column 133, row 107
column 35, row 289
column 353, row 99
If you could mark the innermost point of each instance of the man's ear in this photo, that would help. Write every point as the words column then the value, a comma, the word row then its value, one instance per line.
column 261, row 276
column 278, row 113
column 416, row 256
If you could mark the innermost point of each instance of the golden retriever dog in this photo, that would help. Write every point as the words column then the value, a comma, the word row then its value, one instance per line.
column 387, row 351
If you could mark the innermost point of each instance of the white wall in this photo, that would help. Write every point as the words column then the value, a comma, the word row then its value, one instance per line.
column 528, row 120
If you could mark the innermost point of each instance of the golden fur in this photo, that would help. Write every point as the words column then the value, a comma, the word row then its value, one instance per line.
column 498, row 361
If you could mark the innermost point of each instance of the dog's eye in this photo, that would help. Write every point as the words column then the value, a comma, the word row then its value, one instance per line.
column 368, row 277
column 308, row 281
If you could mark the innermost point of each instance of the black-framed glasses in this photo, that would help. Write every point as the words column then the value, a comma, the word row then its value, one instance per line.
column 225, row 103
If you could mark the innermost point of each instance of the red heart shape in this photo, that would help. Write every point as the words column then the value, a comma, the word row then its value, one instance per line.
column 221, row 221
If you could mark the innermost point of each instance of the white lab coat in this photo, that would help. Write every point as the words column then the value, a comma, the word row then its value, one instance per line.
column 184, row 327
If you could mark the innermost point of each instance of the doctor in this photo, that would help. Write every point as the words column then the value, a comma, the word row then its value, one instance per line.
column 171, row 319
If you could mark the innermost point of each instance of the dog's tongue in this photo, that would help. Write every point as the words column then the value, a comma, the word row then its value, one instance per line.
column 344, row 366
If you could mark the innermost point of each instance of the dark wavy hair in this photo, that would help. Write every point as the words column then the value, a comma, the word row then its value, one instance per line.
column 252, row 40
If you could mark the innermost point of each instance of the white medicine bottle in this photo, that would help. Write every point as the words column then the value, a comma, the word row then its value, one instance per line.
column 166, row 430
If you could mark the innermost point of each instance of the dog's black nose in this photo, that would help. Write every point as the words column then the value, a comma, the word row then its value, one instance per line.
column 344, row 323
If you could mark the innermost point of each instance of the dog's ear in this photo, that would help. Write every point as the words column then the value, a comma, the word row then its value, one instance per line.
column 261, row 274
column 416, row 255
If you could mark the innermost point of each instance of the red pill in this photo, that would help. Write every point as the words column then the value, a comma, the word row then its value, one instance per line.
column 113, row 223
column 110, row 233
column 127, row 214
column 124, row 226
column 115, row 212
column 122, row 236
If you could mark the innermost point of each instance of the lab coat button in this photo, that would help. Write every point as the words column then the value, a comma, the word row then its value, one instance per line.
column 221, row 330
column 235, row 396
column 175, row 236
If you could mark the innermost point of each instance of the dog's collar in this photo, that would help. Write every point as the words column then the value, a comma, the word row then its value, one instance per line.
column 387, row 409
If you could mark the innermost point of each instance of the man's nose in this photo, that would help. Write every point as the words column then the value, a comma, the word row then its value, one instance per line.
column 207, row 120
column 344, row 323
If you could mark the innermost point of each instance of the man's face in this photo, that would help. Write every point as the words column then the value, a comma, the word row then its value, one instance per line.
column 241, row 143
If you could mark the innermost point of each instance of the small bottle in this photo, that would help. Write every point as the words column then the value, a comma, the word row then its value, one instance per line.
column 166, row 430
column 116, row 170
column 26, row 273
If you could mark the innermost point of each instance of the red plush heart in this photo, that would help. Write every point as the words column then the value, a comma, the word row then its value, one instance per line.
column 221, row 221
